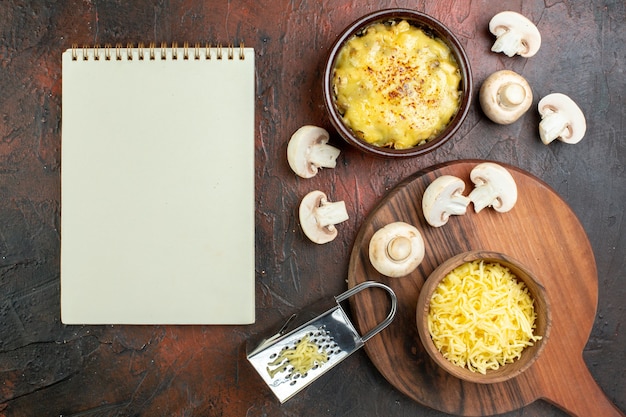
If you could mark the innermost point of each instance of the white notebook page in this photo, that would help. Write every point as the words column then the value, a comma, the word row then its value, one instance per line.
column 157, row 189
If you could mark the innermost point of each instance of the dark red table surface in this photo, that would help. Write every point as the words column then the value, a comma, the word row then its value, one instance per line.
column 49, row 369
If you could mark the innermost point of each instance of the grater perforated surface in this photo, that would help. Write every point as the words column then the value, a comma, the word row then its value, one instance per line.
column 328, row 339
column 332, row 333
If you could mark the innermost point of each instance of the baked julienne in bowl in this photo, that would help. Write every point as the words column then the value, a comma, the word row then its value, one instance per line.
column 397, row 83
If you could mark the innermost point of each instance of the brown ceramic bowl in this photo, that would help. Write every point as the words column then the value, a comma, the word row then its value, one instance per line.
column 428, row 25
column 529, row 354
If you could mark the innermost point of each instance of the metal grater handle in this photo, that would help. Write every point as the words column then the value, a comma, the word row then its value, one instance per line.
column 392, row 312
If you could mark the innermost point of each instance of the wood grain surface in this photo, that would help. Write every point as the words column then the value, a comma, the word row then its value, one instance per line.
column 555, row 248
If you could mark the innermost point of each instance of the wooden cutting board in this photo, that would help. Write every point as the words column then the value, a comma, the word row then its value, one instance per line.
column 543, row 233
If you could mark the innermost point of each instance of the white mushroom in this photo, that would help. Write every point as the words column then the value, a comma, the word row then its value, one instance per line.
column 396, row 249
column 443, row 198
column 561, row 119
column 308, row 150
column 494, row 187
column 515, row 34
column 318, row 217
column 505, row 96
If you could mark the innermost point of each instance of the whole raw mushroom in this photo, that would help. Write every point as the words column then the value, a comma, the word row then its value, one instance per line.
column 396, row 249
column 318, row 217
column 561, row 119
column 308, row 150
column 443, row 198
column 515, row 34
column 494, row 187
column 505, row 96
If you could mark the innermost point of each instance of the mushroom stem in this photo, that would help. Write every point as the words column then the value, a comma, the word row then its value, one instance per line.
column 511, row 95
column 399, row 248
column 482, row 197
column 457, row 206
column 323, row 155
column 508, row 42
column 318, row 217
column 329, row 214
column 552, row 126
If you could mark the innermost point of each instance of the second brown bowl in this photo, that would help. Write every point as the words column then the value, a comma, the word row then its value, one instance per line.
column 541, row 305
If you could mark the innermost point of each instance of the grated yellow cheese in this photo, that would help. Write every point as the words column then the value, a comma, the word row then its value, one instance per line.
column 481, row 317
column 302, row 358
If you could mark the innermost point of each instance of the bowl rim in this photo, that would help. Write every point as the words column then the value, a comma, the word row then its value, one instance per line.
column 540, row 298
column 433, row 26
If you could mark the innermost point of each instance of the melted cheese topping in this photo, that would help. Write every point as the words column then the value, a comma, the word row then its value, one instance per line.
column 396, row 86
column 302, row 358
column 481, row 316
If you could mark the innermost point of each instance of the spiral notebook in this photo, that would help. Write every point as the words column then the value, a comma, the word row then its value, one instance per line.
column 157, row 185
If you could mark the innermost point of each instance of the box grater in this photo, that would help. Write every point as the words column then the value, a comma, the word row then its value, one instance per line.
column 328, row 339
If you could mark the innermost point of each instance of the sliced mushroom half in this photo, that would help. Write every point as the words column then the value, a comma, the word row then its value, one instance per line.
column 515, row 34
column 494, row 187
column 443, row 198
column 308, row 150
column 318, row 217
column 561, row 119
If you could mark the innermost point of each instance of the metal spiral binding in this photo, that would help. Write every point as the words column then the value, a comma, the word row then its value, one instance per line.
column 119, row 52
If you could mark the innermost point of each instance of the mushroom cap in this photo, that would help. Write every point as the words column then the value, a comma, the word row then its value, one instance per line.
column 442, row 198
column 494, row 187
column 317, row 229
column 510, row 21
column 301, row 151
column 571, row 114
column 396, row 249
column 505, row 96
